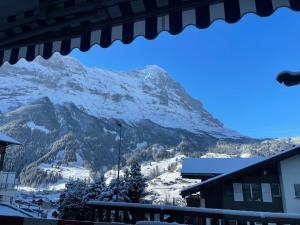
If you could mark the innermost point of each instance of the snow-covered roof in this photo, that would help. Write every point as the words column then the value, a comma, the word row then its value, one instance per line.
column 284, row 154
column 9, row 140
column 216, row 166
column 10, row 210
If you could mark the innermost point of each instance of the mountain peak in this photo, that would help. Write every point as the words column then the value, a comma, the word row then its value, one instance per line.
column 57, row 61
column 154, row 68
column 146, row 93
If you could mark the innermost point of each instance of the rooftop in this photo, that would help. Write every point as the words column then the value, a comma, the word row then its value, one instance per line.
column 8, row 140
column 194, row 167
column 10, row 210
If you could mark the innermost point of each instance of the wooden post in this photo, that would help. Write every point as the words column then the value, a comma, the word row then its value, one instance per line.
column 215, row 222
column 108, row 213
column 94, row 214
column 133, row 217
column 126, row 217
column 252, row 223
column 242, row 222
column 202, row 221
column 116, row 215
column 161, row 216
column 2, row 155
column 100, row 215
column 151, row 216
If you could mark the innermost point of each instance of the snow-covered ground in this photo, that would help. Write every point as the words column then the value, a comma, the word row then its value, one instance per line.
column 164, row 180
column 70, row 171
column 73, row 170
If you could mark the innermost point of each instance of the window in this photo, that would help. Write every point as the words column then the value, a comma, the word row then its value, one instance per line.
column 252, row 192
column 276, row 192
column 297, row 190
column 266, row 192
column 238, row 192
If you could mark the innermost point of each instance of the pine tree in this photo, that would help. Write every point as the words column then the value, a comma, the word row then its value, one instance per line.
column 71, row 203
column 97, row 190
column 117, row 189
column 135, row 184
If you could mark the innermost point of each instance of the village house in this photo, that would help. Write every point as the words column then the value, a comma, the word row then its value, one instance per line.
column 7, row 179
column 270, row 185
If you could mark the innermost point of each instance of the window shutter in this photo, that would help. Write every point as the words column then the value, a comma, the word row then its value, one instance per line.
column 238, row 192
column 266, row 192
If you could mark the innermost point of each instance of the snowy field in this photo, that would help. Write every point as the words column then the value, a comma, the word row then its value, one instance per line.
column 164, row 179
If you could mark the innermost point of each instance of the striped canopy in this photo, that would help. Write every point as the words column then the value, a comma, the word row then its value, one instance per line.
column 29, row 28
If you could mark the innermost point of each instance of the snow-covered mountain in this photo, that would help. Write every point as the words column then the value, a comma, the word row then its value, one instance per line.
column 146, row 93
column 64, row 114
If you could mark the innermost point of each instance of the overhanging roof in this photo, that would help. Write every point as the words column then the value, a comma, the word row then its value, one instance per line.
column 208, row 167
column 29, row 28
column 8, row 140
column 244, row 171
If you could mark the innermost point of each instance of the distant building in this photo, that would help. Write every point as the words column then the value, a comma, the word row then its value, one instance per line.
column 7, row 179
column 271, row 184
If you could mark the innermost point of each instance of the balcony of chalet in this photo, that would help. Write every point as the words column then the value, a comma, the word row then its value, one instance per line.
column 132, row 213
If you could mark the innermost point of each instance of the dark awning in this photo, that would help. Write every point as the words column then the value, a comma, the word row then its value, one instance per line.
column 29, row 28
column 289, row 78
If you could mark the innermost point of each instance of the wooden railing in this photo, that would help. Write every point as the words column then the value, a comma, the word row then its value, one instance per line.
column 131, row 213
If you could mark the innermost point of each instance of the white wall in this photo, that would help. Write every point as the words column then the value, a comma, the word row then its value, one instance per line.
column 290, row 175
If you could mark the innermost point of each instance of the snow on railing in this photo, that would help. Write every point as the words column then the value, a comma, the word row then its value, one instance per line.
column 133, row 212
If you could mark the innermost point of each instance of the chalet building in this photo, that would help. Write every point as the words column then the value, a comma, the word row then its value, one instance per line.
column 271, row 185
column 7, row 179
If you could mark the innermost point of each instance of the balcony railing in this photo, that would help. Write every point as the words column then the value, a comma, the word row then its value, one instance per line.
column 131, row 213
column 106, row 213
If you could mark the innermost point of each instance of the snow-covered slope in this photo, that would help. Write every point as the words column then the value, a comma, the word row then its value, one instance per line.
column 146, row 93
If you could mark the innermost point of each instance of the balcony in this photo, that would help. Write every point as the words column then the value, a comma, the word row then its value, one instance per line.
column 131, row 213
column 7, row 186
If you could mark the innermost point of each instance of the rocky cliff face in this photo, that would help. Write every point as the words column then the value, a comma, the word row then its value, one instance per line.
column 63, row 134
column 64, row 114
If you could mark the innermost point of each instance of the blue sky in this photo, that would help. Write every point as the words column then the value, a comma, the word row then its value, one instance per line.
column 230, row 68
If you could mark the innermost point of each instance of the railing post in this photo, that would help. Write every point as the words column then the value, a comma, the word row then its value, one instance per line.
column 133, row 217
column 116, row 215
column 126, row 217
column 181, row 219
column 214, row 222
column 100, row 215
column 227, row 222
column 94, row 214
column 151, row 216
column 161, row 216
column 108, row 213
column 252, row 223
column 202, row 221
column 243, row 222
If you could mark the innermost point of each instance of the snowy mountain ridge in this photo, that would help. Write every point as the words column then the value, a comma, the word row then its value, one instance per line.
column 146, row 93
